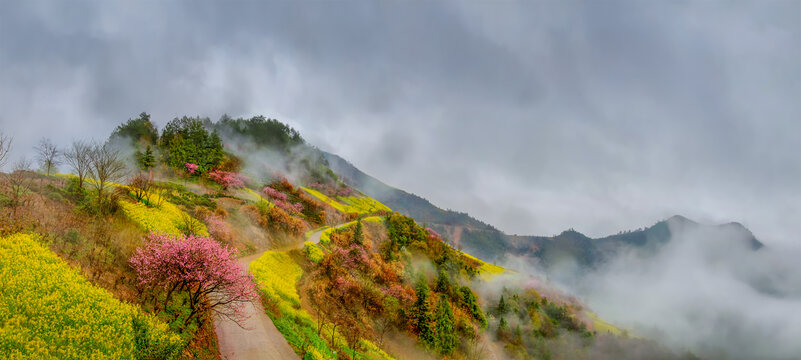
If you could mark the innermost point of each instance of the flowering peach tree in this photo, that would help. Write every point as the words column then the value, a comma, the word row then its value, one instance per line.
column 206, row 272
column 227, row 179
column 191, row 168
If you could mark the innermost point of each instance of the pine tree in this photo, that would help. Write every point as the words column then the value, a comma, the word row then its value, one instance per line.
column 358, row 233
column 503, row 329
column 446, row 336
column 502, row 307
column 423, row 316
column 517, row 337
column 146, row 160
column 443, row 282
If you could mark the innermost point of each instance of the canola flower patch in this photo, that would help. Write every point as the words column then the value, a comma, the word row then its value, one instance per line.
column 167, row 218
column 313, row 251
column 49, row 311
column 350, row 204
column 325, row 237
column 486, row 270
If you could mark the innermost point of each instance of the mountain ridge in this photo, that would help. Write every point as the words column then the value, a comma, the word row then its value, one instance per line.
column 488, row 242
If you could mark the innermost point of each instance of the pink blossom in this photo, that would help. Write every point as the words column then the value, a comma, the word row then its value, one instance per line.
column 288, row 207
column 218, row 227
column 191, row 168
column 227, row 179
column 274, row 194
column 433, row 233
column 200, row 266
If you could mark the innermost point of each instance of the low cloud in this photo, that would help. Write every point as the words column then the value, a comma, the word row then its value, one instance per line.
column 706, row 291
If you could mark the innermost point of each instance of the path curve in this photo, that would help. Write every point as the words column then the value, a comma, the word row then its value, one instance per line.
column 315, row 237
column 259, row 339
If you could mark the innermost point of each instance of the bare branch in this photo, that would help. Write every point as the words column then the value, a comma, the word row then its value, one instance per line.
column 5, row 148
column 78, row 158
column 105, row 166
column 48, row 155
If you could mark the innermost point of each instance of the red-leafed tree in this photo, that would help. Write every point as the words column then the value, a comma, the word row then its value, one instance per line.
column 201, row 269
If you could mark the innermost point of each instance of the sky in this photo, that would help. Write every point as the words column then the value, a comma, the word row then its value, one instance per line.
column 533, row 116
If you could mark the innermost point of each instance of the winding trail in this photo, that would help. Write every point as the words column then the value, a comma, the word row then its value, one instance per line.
column 259, row 339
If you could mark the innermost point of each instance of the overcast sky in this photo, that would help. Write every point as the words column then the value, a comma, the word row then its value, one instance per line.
column 533, row 116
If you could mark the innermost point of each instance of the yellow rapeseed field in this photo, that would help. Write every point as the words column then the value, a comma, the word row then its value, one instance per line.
column 49, row 311
column 350, row 204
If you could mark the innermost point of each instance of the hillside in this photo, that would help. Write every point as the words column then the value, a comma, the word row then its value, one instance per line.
column 205, row 225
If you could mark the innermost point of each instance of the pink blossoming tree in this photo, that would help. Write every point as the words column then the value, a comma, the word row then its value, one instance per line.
column 274, row 194
column 218, row 228
column 191, row 168
column 227, row 179
column 433, row 233
column 199, row 267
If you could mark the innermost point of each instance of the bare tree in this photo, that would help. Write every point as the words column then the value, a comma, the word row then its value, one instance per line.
column 105, row 166
column 17, row 186
column 48, row 155
column 78, row 158
column 142, row 188
column 5, row 148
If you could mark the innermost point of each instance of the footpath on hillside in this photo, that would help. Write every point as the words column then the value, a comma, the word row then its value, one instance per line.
column 258, row 338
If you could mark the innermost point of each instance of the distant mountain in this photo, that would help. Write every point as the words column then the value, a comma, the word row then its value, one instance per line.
column 489, row 243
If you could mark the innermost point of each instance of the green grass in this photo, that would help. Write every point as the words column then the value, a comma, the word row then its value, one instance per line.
column 602, row 326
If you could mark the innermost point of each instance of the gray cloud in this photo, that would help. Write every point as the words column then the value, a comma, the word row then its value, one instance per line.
column 706, row 291
column 534, row 116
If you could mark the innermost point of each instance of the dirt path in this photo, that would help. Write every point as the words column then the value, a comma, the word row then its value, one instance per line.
column 315, row 237
column 259, row 339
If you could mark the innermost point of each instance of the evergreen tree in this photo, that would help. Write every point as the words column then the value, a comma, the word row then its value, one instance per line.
column 358, row 233
column 146, row 160
column 503, row 329
column 423, row 315
column 186, row 140
column 468, row 301
column 503, row 308
column 443, row 282
column 517, row 336
column 446, row 336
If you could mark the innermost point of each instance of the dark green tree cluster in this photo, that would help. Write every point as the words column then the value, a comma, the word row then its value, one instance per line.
column 139, row 131
column 268, row 133
column 261, row 133
column 402, row 231
column 446, row 334
column 468, row 301
column 423, row 316
column 434, row 330
column 188, row 140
